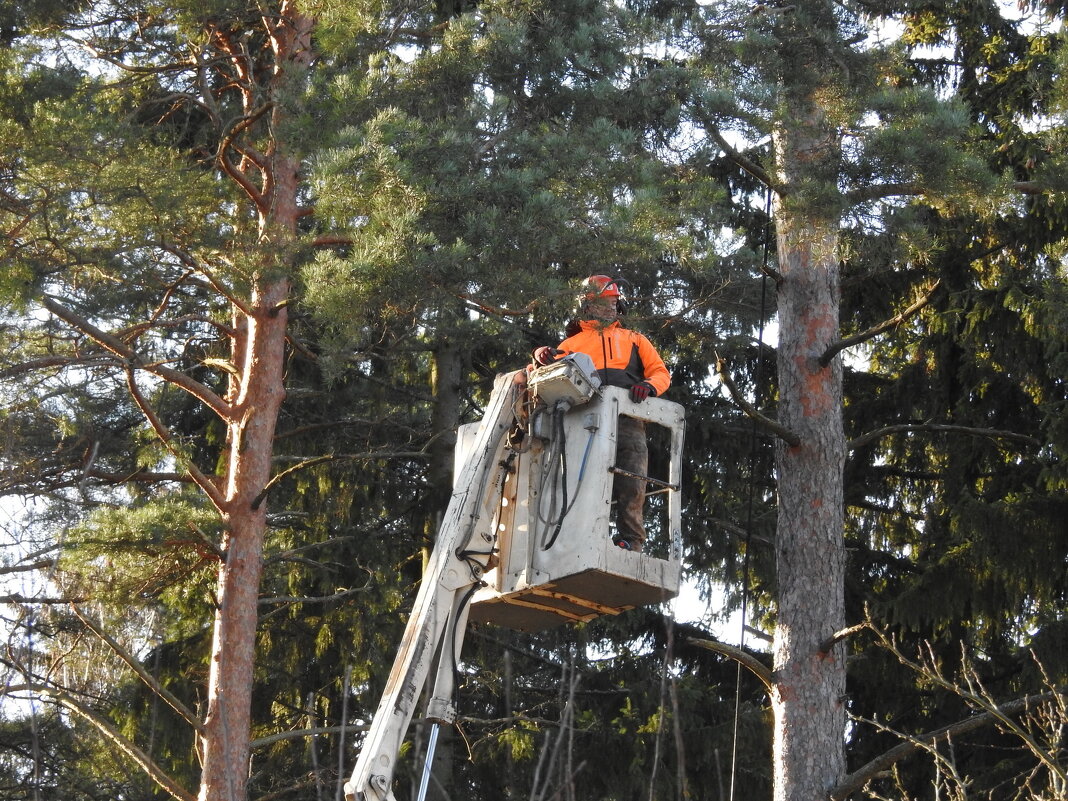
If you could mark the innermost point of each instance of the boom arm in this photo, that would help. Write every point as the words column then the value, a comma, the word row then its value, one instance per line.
column 439, row 619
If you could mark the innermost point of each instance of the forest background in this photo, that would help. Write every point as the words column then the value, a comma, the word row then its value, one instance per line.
column 260, row 259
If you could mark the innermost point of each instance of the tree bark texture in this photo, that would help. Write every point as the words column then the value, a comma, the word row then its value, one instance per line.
column 251, row 435
column 808, row 686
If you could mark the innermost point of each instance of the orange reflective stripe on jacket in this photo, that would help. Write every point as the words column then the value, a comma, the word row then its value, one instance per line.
column 622, row 357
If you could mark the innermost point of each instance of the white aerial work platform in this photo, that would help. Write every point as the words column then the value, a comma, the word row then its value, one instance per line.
column 526, row 542
column 558, row 562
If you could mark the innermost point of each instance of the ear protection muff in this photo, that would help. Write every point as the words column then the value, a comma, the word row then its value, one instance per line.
column 622, row 302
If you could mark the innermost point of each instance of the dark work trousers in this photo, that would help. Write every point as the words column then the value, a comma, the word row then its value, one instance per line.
column 632, row 453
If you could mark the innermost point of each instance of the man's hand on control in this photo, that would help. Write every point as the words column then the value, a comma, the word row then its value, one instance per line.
column 641, row 391
column 546, row 355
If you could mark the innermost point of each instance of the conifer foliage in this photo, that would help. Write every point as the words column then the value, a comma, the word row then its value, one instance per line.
column 262, row 259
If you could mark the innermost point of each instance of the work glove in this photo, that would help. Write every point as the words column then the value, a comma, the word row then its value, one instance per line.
column 641, row 391
column 546, row 354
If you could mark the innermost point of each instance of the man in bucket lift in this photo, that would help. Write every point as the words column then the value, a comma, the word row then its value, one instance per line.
column 626, row 359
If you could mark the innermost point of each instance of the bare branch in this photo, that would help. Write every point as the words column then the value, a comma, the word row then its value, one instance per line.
column 191, row 261
column 199, row 478
column 138, row 69
column 19, row 598
column 874, row 331
column 841, row 634
column 332, row 241
column 26, row 568
column 300, row 348
column 296, row 734
column 332, row 457
column 154, row 771
column 745, row 162
column 755, row 666
column 760, row 635
column 50, row 361
column 186, row 714
column 739, row 532
column 303, row 599
column 975, row 694
column 243, row 123
column 991, row 433
column 499, row 311
column 864, row 194
column 860, row 777
column 776, row 428
column 119, row 348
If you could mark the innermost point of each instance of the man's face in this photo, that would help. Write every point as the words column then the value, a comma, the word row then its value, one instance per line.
column 603, row 309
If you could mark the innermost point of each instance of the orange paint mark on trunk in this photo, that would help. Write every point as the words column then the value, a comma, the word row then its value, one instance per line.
column 816, row 398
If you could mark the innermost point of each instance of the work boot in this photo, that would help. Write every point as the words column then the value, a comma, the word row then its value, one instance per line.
column 627, row 545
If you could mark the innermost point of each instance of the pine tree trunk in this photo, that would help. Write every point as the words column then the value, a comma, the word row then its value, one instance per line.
column 225, row 748
column 446, row 379
column 809, row 685
column 255, row 397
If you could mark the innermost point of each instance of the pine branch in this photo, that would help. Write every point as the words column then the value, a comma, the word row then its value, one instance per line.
column 120, row 349
column 834, row 349
column 185, row 713
column 991, row 433
column 860, row 777
column 755, row 666
column 498, row 311
column 776, row 428
column 163, row 433
column 110, row 733
column 137, row 329
column 194, row 263
column 744, row 161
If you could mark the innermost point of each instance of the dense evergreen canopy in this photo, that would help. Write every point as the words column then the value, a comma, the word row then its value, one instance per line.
column 380, row 206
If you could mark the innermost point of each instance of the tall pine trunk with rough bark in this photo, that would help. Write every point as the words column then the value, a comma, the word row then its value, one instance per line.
column 809, row 679
column 809, row 682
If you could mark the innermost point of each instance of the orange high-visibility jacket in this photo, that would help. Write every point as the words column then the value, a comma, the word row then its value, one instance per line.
column 622, row 357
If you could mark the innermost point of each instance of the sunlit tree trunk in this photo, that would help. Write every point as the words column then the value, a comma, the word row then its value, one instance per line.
column 255, row 397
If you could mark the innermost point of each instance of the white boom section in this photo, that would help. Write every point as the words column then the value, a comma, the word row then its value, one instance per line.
column 436, row 626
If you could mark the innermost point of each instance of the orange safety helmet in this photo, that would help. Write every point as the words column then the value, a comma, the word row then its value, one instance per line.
column 602, row 286
column 599, row 286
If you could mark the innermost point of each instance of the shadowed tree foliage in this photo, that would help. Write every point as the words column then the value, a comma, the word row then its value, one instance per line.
column 410, row 196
